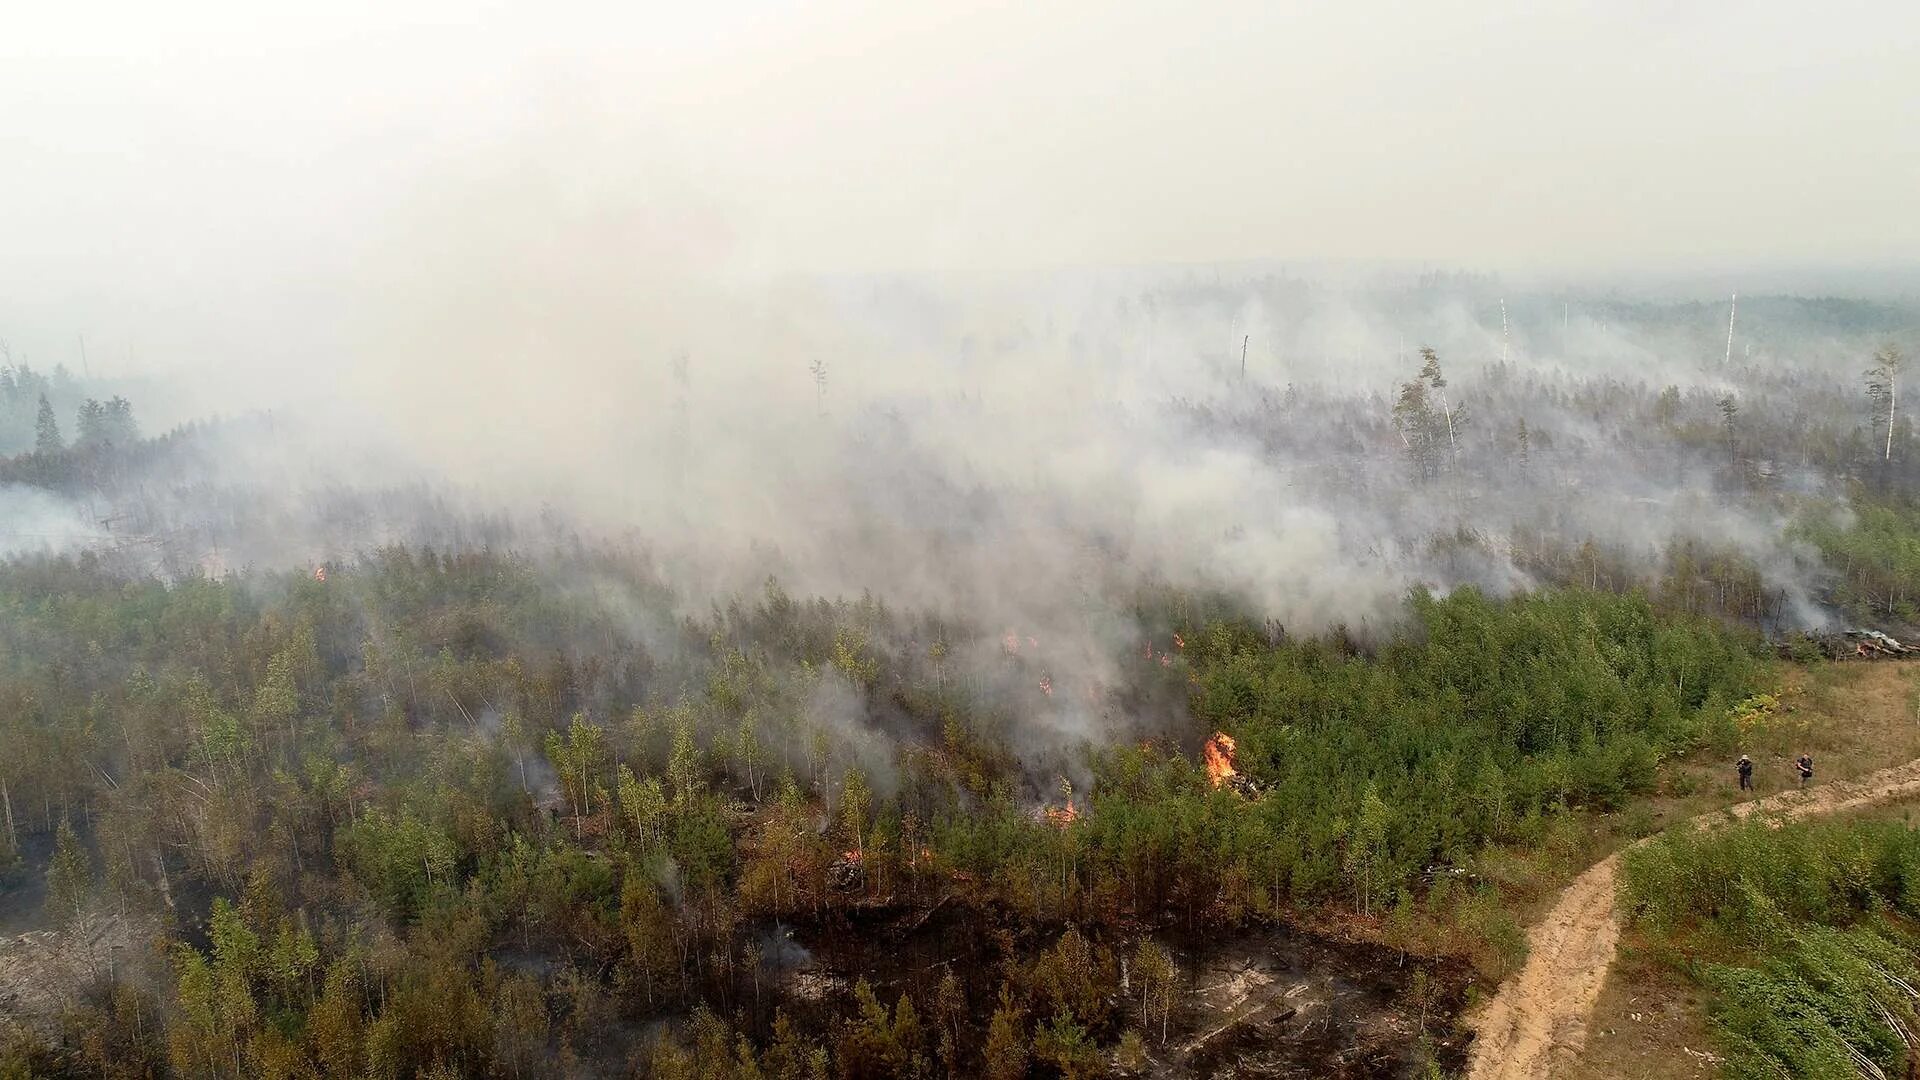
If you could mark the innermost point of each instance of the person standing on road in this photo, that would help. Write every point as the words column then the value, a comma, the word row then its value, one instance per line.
column 1746, row 773
column 1804, row 765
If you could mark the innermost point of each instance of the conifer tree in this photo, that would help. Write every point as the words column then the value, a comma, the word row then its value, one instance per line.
column 46, row 430
column 90, row 424
column 69, row 876
column 1729, row 424
column 1006, row 1050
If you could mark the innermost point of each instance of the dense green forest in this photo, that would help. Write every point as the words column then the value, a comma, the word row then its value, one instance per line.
column 1803, row 935
column 502, row 800
column 376, row 787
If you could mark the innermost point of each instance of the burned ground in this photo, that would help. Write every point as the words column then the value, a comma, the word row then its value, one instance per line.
column 1267, row 1002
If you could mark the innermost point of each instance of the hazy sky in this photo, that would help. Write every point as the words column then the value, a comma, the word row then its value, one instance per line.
column 203, row 176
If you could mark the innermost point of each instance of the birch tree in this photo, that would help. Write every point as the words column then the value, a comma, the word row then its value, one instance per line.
column 1455, row 420
column 1883, row 391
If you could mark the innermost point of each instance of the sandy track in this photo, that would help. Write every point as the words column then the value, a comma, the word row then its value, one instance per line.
column 1539, row 1017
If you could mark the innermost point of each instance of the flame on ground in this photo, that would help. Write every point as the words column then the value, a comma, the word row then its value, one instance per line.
column 1061, row 818
column 1219, row 753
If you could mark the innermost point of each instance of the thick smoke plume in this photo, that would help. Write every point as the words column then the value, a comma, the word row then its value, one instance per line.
column 578, row 320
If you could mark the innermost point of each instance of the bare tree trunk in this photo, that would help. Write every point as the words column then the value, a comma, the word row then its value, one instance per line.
column 13, row 837
column 166, row 886
column 1893, row 395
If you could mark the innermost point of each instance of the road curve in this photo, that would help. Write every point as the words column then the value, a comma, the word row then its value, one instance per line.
column 1539, row 1016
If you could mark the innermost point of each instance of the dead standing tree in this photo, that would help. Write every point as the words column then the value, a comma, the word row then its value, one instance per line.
column 1430, row 434
column 1883, row 391
column 1430, row 371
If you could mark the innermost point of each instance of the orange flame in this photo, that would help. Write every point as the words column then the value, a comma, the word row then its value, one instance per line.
column 1061, row 818
column 852, row 857
column 1219, row 752
column 320, row 574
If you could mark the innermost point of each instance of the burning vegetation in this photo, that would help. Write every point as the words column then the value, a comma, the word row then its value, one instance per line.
column 608, row 796
column 1219, row 753
column 595, row 815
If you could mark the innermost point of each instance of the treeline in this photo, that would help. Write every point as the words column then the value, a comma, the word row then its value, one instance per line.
column 105, row 432
column 469, row 813
column 22, row 392
column 1873, row 549
column 1801, row 934
column 1484, row 720
column 32, row 403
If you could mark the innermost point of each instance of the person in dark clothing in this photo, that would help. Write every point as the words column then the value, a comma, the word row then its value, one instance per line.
column 1805, row 767
column 1746, row 773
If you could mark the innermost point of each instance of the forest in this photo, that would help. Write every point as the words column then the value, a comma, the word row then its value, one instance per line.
column 392, row 786
column 1802, row 932
column 315, row 779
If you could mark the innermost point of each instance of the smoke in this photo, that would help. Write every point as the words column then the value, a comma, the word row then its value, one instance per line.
column 33, row 521
column 633, row 299
column 1019, row 453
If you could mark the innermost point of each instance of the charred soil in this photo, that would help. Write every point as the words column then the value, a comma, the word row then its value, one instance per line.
column 1258, row 1002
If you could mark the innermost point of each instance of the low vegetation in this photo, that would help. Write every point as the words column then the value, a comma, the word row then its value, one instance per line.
column 1801, row 934
column 395, row 794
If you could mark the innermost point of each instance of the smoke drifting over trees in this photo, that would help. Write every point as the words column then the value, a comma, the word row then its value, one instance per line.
column 529, row 547
column 1026, row 459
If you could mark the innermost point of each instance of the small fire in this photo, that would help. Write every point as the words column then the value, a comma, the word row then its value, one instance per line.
column 320, row 574
column 1046, row 685
column 1179, row 642
column 1219, row 752
column 1060, row 818
column 1011, row 643
column 851, row 857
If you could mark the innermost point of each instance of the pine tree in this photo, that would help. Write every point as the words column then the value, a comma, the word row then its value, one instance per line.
column 1366, row 847
column 335, row 1022
column 683, row 765
column 1666, row 409
column 1729, row 423
column 117, row 422
column 855, row 799
column 46, row 430
column 90, row 424
column 1006, row 1050
column 69, row 876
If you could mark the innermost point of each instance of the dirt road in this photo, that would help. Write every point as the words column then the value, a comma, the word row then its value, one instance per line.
column 1539, row 1017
